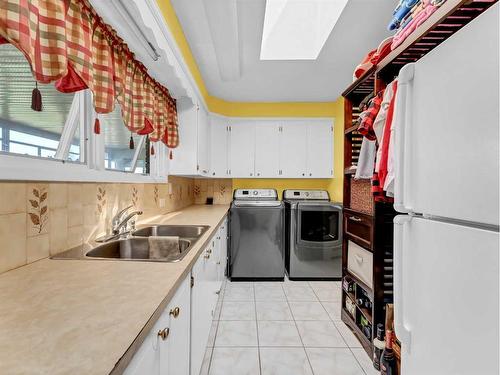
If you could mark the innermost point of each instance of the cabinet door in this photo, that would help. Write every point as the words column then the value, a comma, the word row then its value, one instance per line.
column 203, row 300
column 222, row 263
column 184, row 157
column 219, row 147
column 319, row 149
column 266, row 149
column 242, row 135
column 178, row 311
column 203, row 165
column 293, row 149
column 147, row 359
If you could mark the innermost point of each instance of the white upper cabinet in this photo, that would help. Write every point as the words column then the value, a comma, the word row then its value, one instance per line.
column 203, row 166
column 242, row 153
column 216, row 146
column 293, row 149
column 219, row 128
column 267, row 153
column 319, row 149
column 192, row 156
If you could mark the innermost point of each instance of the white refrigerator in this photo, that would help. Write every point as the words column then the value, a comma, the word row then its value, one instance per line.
column 446, row 246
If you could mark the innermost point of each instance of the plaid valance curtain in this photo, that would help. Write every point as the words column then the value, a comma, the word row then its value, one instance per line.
column 66, row 42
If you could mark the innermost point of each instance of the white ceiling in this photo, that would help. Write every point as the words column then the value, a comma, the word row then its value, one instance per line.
column 225, row 38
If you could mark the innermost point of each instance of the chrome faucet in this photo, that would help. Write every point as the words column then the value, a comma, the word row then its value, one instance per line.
column 119, row 221
column 119, row 224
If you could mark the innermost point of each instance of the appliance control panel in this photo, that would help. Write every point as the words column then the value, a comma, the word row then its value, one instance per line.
column 255, row 194
column 303, row 195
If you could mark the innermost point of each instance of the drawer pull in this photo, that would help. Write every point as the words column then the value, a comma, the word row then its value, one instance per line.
column 163, row 333
column 207, row 256
column 359, row 259
column 175, row 312
column 354, row 218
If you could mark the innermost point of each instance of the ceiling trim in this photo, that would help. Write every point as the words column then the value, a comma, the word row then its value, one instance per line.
column 165, row 15
column 226, row 44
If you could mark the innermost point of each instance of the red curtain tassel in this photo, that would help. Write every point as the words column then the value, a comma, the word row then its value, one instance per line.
column 97, row 126
column 131, row 142
column 152, row 152
column 36, row 99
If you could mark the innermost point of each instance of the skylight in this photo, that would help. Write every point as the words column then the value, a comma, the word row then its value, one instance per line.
column 298, row 29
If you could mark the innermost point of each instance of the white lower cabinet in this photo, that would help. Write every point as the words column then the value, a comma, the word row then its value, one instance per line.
column 176, row 344
column 203, row 300
column 165, row 351
column 178, row 348
column 222, row 262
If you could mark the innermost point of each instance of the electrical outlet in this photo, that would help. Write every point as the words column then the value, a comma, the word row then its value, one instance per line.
column 162, row 202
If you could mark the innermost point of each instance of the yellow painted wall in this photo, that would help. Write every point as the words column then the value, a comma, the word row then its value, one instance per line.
column 264, row 109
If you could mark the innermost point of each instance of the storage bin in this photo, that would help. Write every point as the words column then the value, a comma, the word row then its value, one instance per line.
column 360, row 263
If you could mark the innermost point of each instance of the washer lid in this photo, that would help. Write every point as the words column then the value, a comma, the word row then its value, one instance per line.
column 255, row 194
column 304, row 195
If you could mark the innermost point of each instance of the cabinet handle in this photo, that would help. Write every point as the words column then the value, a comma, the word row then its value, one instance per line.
column 209, row 251
column 218, row 262
column 354, row 218
column 303, row 174
column 251, row 174
column 258, row 174
column 217, row 292
column 310, row 174
column 213, row 173
column 163, row 333
column 207, row 256
column 175, row 312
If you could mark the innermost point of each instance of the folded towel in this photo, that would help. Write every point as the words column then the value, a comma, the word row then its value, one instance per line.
column 419, row 19
column 162, row 247
column 403, row 8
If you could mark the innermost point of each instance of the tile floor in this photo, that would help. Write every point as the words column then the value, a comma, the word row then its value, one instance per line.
column 282, row 328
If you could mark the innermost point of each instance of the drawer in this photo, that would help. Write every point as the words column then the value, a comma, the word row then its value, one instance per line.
column 359, row 228
column 360, row 263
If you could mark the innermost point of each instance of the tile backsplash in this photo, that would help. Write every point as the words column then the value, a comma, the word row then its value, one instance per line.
column 41, row 219
column 221, row 190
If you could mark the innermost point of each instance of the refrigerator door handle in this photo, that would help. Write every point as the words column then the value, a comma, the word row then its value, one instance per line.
column 402, row 129
column 402, row 331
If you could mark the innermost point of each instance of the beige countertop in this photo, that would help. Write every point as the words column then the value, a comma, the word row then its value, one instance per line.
column 82, row 316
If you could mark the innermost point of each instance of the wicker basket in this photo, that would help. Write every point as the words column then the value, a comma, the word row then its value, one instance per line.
column 361, row 196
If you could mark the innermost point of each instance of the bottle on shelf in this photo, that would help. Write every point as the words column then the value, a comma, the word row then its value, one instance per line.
column 378, row 346
column 388, row 360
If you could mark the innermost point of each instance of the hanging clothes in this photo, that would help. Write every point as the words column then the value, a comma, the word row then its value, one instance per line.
column 382, row 122
column 366, row 125
column 382, row 173
column 389, row 180
column 378, row 124
column 366, row 160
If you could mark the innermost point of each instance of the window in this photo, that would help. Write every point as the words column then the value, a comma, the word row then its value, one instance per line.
column 117, row 152
column 28, row 132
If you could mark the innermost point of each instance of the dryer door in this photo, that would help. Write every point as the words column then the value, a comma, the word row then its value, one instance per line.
column 319, row 224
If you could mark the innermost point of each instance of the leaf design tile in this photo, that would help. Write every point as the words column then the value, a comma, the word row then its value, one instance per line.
column 37, row 207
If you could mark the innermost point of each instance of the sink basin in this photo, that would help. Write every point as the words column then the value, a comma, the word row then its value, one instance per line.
column 136, row 249
column 185, row 231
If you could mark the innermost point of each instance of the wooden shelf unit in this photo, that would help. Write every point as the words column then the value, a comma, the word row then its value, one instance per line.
column 377, row 236
column 443, row 23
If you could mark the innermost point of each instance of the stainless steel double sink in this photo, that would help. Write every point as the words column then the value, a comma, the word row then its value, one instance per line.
column 136, row 246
